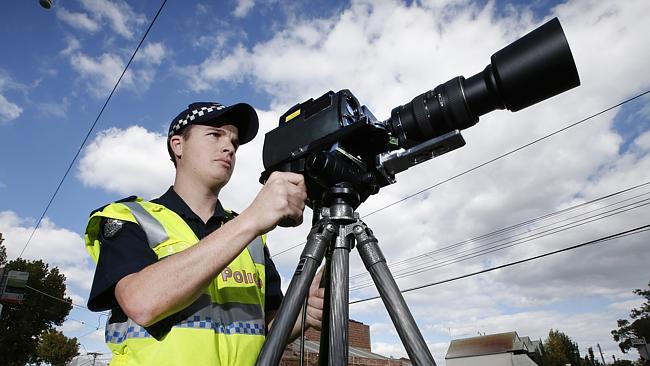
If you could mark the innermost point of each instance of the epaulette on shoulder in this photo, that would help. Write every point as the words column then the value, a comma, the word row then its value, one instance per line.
column 127, row 199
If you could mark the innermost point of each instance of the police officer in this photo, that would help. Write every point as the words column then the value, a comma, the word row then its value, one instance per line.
column 187, row 281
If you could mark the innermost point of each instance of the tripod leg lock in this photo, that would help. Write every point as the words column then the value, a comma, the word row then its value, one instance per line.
column 321, row 236
column 367, row 243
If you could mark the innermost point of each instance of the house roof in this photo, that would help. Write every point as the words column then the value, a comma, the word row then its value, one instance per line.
column 485, row 345
column 312, row 346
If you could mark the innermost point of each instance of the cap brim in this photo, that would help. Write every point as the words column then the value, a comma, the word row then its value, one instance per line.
column 241, row 115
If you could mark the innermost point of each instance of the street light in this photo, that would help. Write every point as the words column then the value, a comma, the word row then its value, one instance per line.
column 46, row 3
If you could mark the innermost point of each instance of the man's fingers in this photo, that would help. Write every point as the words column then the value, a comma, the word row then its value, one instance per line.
column 315, row 283
column 294, row 178
column 315, row 314
column 316, row 302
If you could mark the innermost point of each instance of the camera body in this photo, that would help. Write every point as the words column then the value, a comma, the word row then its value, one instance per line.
column 334, row 139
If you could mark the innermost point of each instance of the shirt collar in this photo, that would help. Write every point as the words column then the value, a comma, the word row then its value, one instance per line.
column 174, row 202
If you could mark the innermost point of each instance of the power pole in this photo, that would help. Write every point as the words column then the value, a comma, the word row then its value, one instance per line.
column 601, row 353
column 94, row 354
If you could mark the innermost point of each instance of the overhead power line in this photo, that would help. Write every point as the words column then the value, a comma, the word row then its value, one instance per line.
column 486, row 163
column 539, row 219
column 92, row 127
column 488, row 250
column 437, row 258
column 528, row 223
column 57, row 298
column 622, row 234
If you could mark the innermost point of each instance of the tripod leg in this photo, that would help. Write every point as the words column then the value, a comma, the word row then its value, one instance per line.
column 339, row 304
column 317, row 242
column 323, row 350
column 399, row 313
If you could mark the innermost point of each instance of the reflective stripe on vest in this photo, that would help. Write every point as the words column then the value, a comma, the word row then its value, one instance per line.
column 152, row 228
column 156, row 233
column 231, row 318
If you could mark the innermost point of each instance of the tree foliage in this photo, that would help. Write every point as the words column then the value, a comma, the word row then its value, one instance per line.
column 558, row 350
column 639, row 328
column 57, row 349
column 623, row 363
column 3, row 253
column 21, row 325
column 590, row 358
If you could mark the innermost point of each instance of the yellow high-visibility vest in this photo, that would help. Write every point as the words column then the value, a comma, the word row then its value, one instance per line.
column 225, row 326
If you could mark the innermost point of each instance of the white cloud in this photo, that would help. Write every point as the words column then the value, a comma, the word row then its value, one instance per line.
column 643, row 141
column 51, row 243
column 97, row 335
column 59, row 110
column 243, row 7
column 126, row 162
column 71, row 326
column 54, row 245
column 77, row 20
column 8, row 110
column 119, row 15
column 626, row 306
column 73, row 45
column 101, row 73
column 202, row 8
column 76, row 299
column 388, row 349
column 153, row 53
column 232, row 67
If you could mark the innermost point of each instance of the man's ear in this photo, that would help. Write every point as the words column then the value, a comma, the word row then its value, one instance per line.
column 176, row 144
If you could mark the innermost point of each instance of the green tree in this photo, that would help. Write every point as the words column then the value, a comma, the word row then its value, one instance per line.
column 623, row 363
column 21, row 325
column 639, row 328
column 57, row 349
column 590, row 358
column 540, row 354
column 3, row 252
column 558, row 350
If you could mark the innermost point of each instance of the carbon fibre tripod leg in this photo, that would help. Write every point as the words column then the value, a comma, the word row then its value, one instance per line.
column 318, row 241
column 337, row 354
column 399, row 313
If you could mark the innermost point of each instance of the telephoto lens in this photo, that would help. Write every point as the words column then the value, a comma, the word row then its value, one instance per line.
column 535, row 67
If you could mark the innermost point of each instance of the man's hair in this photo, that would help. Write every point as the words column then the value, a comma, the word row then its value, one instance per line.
column 185, row 134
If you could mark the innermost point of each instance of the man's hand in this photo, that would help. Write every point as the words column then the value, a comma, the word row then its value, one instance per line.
column 316, row 301
column 282, row 198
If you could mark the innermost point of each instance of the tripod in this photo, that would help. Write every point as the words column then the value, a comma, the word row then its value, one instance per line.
column 334, row 236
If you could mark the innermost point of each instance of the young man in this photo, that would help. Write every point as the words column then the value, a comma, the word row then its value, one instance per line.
column 188, row 282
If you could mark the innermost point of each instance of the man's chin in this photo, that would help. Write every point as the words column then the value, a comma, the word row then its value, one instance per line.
column 222, row 179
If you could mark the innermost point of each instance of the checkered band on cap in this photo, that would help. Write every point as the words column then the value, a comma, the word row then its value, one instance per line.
column 192, row 115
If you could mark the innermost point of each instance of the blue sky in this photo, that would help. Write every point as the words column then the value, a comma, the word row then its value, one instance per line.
column 58, row 67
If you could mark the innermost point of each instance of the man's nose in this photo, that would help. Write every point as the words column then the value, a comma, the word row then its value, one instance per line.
column 229, row 148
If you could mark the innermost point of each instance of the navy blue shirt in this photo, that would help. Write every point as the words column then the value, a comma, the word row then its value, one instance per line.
column 128, row 251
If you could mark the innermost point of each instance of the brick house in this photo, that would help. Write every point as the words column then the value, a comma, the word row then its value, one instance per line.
column 359, row 352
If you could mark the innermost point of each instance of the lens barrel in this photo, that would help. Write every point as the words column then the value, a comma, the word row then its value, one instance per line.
column 535, row 67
